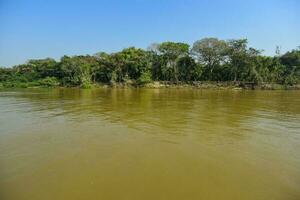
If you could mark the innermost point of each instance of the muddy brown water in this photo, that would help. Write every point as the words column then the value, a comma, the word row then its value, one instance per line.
column 140, row 144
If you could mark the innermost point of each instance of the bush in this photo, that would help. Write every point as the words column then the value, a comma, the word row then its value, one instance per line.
column 86, row 84
column 144, row 78
column 48, row 82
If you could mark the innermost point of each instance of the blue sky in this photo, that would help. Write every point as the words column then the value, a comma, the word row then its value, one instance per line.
column 39, row 29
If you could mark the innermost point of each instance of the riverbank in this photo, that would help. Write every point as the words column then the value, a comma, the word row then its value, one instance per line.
column 205, row 85
column 168, row 84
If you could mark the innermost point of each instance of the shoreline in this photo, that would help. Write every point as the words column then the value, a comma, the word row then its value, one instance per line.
column 178, row 85
column 207, row 85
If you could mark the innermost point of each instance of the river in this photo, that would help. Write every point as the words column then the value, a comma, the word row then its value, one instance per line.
column 149, row 144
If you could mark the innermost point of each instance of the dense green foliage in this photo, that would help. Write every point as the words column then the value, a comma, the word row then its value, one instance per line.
column 209, row 59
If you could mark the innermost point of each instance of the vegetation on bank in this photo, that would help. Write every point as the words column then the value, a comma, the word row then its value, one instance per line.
column 208, row 60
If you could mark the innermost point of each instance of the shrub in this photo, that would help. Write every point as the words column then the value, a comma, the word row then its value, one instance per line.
column 48, row 82
column 144, row 78
column 86, row 84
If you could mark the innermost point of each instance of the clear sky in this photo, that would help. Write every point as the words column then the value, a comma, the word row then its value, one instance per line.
column 40, row 28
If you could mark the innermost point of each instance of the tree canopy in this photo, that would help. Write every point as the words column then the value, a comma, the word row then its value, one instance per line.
column 209, row 59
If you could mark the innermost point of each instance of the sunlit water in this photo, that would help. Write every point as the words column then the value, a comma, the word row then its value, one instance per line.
column 149, row 144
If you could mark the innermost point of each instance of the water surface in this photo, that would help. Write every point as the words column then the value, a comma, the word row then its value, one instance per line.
column 146, row 144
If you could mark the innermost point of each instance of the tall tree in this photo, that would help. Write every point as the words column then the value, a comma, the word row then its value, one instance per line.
column 45, row 67
column 77, row 70
column 291, row 61
column 211, row 52
column 171, row 52
column 243, row 61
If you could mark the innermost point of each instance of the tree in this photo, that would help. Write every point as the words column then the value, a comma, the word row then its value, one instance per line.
column 130, row 64
column 170, row 53
column 209, row 59
column 188, row 70
column 105, row 71
column 211, row 52
column 45, row 67
column 291, row 61
column 77, row 70
column 6, row 74
column 243, row 61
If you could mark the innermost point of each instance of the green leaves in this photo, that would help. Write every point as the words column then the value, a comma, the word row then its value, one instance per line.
column 209, row 59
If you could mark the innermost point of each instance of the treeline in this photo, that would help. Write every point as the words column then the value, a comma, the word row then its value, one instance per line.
column 209, row 59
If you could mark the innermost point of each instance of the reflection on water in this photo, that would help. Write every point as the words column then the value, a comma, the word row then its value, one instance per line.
column 149, row 144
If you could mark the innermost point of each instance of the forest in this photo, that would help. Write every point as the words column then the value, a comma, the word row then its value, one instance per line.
column 207, row 60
